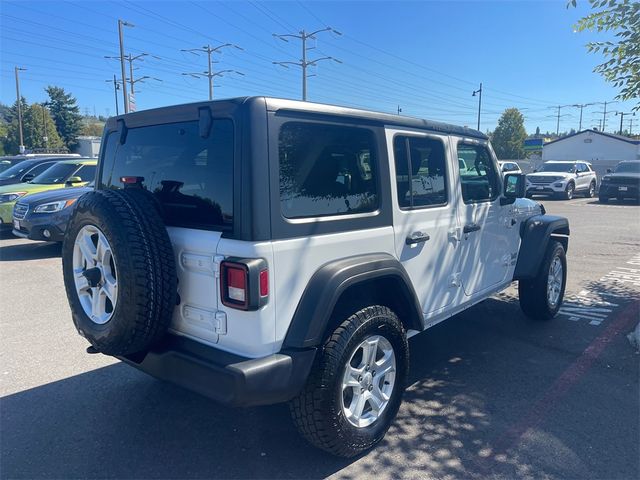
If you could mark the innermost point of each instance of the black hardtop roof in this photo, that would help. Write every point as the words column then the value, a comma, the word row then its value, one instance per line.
column 183, row 111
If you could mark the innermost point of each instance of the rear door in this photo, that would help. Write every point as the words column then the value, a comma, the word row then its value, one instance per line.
column 424, row 215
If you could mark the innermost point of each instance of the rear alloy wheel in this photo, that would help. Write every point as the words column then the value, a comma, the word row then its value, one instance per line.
column 592, row 190
column 355, row 388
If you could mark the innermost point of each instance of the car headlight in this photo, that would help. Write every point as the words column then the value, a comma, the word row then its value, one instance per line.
column 52, row 207
column 11, row 197
column 606, row 178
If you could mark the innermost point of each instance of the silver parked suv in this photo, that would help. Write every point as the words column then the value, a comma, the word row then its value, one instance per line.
column 258, row 250
column 563, row 179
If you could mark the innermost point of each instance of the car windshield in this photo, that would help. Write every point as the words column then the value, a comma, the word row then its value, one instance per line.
column 17, row 170
column 564, row 167
column 628, row 167
column 57, row 173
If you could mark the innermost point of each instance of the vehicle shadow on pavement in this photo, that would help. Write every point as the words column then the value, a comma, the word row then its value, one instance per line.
column 30, row 251
column 471, row 379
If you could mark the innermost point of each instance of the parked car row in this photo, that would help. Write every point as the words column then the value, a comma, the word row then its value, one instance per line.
column 40, row 190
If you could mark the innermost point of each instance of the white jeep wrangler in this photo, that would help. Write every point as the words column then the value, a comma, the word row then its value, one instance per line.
column 258, row 250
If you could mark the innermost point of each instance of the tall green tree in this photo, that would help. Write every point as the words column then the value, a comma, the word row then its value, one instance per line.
column 508, row 137
column 622, row 19
column 66, row 115
column 40, row 129
column 12, row 139
column 36, row 121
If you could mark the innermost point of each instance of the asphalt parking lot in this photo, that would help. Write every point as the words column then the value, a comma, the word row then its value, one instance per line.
column 492, row 394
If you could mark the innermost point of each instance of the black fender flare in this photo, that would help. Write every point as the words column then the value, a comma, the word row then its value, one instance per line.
column 329, row 282
column 535, row 233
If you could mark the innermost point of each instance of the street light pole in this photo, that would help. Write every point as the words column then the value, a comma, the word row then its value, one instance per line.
column 21, row 147
column 479, row 93
column 122, row 23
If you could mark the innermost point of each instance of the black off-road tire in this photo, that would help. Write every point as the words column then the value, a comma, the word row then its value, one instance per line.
column 603, row 199
column 145, row 268
column 317, row 411
column 533, row 293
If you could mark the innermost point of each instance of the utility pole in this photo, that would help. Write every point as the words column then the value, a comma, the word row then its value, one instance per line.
column 44, row 125
column 622, row 114
column 122, row 23
column 604, row 113
column 581, row 106
column 479, row 93
column 631, row 126
column 116, row 87
column 21, row 147
column 304, row 63
column 209, row 50
column 399, row 110
column 130, row 58
column 560, row 107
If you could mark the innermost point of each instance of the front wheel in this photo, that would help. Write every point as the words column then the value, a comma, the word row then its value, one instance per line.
column 541, row 296
column 568, row 192
column 356, row 385
column 603, row 199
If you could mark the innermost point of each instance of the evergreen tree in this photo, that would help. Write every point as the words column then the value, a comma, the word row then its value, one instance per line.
column 66, row 115
column 34, row 120
column 508, row 137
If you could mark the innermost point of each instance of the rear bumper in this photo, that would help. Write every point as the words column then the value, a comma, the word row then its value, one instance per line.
column 224, row 377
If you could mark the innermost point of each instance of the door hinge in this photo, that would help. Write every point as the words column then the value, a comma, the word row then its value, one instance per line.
column 455, row 234
column 217, row 260
column 221, row 323
column 455, row 280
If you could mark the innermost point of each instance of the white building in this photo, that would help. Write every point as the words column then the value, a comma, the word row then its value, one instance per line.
column 88, row 146
column 603, row 150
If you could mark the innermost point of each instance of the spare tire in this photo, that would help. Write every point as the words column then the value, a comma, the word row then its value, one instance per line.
column 119, row 271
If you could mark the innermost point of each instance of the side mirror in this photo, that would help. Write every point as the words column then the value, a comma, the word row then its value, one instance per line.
column 514, row 187
column 609, row 170
column 28, row 177
column 73, row 180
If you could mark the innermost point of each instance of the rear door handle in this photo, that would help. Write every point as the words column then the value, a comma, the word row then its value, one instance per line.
column 473, row 227
column 417, row 237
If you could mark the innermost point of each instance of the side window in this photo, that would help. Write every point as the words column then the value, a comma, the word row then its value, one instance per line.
column 420, row 171
column 326, row 169
column 87, row 173
column 582, row 168
column 480, row 181
column 38, row 169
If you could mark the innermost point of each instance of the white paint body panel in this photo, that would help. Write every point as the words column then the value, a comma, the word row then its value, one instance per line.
column 296, row 260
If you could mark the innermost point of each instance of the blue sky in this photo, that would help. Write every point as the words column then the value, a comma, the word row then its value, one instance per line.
column 426, row 57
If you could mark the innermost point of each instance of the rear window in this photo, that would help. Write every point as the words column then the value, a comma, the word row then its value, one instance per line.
column 57, row 173
column 191, row 176
column 18, row 169
column 326, row 169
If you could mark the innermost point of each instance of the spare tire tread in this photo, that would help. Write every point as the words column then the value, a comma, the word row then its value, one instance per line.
column 145, row 264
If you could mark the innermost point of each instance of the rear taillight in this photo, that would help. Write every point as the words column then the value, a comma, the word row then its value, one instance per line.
column 244, row 283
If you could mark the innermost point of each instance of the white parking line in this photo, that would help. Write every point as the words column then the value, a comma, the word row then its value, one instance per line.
column 595, row 306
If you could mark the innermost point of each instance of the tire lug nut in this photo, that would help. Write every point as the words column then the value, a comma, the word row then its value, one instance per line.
column 362, row 390
column 370, row 387
column 359, row 378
